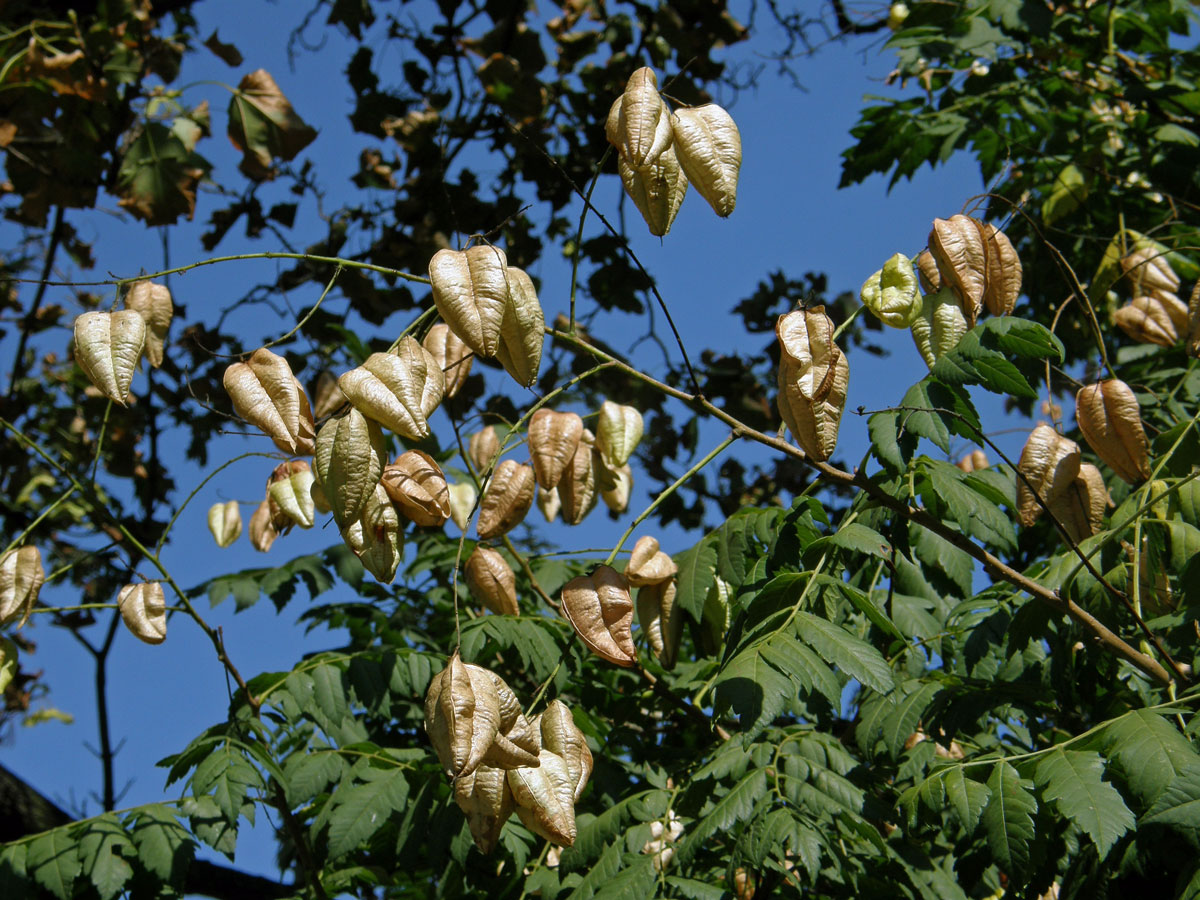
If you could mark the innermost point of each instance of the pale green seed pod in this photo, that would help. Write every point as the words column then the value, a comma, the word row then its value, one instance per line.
column 940, row 326
column 892, row 294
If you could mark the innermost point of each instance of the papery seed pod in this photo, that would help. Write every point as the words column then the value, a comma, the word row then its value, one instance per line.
column 517, row 742
column 290, row 489
column 487, row 800
column 327, row 396
column 1148, row 272
column 618, row 432
column 462, row 501
column 928, row 275
column 21, row 579
column 482, row 447
column 462, row 716
column 506, row 500
column 108, row 347
column 940, row 326
column 225, row 522
column 470, row 290
column 600, row 610
column 661, row 620
column 1153, row 319
column 10, row 663
column 320, row 501
column 522, row 330
column 648, row 564
column 399, row 390
column 1110, row 418
column 1003, row 279
column 553, row 439
column 153, row 303
column 561, row 736
column 545, row 798
column 657, row 190
column 349, row 460
column 709, row 148
column 578, row 487
column 453, row 357
column 958, row 248
column 744, row 884
column 266, row 394
column 549, row 503
column 1158, row 493
column 1193, row 339
column 1154, row 587
column 616, row 485
column 1050, row 463
column 375, row 536
column 491, row 581
column 643, row 124
column 144, row 611
column 417, row 485
column 973, row 461
column 891, row 293
column 1081, row 506
column 263, row 530
column 813, row 377
column 714, row 621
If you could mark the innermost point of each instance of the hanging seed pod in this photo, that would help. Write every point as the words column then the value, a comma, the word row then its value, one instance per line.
column 452, row 356
column 470, row 290
column 9, row 663
column 562, row 737
column 661, row 621
column 153, row 303
column 462, row 716
column 522, row 330
column 618, row 432
column 327, row 396
column 1081, row 507
column 462, row 501
column 928, row 275
column 416, row 483
column 399, row 390
column 553, row 439
column 642, row 127
column 1050, row 463
column 263, row 530
column 349, row 458
column 648, row 564
column 375, row 537
column 487, row 800
column 958, row 248
column 714, row 621
column 940, row 327
column 1153, row 319
column 266, row 394
column 506, row 500
column 1154, row 588
column 813, row 377
column 1110, row 418
column 482, row 448
column 578, row 487
column 1149, row 272
column 290, row 489
column 545, row 798
column 1193, row 340
column 1003, row 278
column 21, row 579
column 320, row 501
column 600, row 610
column 657, row 191
column 144, row 611
column 709, row 148
column 225, row 522
column 974, row 461
column 549, row 503
column 517, row 742
column 616, row 485
column 891, row 293
column 108, row 347
column 491, row 581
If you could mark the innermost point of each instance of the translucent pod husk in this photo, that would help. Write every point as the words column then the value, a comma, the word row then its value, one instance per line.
column 263, row 529
column 661, row 620
column 1050, row 463
column 618, row 431
column 452, row 356
column 1004, row 273
column 599, row 608
column 891, row 293
column 940, row 326
column 709, row 149
column 267, row 395
column 470, row 290
column 928, row 276
column 1110, row 418
column 506, row 499
column 417, row 485
column 491, row 581
column 375, row 536
column 1153, row 319
column 462, row 501
column 144, row 611
column 108, row 347
column 958, row 247
column 327, row 396
column 561, row 736
column 10, row 663
column 553, row 439
column 974, row 461
column 153, row 303
column 648, row 564
column 578, row 488
column 1193, row 339
column 1080, row 508
column 1148, row 272
column 657, row 190
column 813, row 377
column 225, row 522
column 320, row 501
column 522, row 330
column 462, row 716
column 399, row 390
column 616, row 485
column 21, row 579
column 549, row 502
column 714, row 621
column 487, row 800
column 349, row 458
column 545, row 798
column 641, row 128
column 482, row 448
column 518, row 742
column 290, row 489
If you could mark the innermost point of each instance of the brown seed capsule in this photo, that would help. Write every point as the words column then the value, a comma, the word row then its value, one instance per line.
column 327, row 396
column 549, row 502
column 462, row 716
column 108, row 347
column 545, row 798
column 1050, row 463
column 491, row 581
column 21, row 579
column 375, row 536
column 813, row 378
column 661, row 620
column 974, row 461
column 553, row 439
column 657, row 190
column 578, row 488
column 225, row 522
column 506, row 499
column 482, row 448
column 144, row 611
column 1193, row 340
column 709, row 148
column 648, row 564
column 641, row 128
column 600, row 610
column 349, row 459
column 1003, row 284
column 452, row 356
column 290, row 489
column 517, row 742
column 1110, row 418
column 470, row 290
column 1153, row 319
column 487, row 800
column 263, row 530
column 399, row 390
column 958, row 248
column 928, row 274
column 522, row 330
column 1081, row 507
column 416, row 483
column 1148, row 272
column 618, row 432
column 153, row 303
column 267, row 395
column 561, row 736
